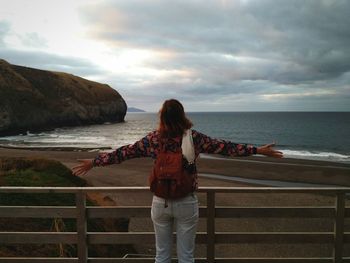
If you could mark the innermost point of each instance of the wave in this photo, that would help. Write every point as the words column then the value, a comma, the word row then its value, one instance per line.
column 307, row 155
column 324, row 156
column 56, row 139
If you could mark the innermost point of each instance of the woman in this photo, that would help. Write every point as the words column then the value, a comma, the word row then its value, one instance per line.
column 181, row 212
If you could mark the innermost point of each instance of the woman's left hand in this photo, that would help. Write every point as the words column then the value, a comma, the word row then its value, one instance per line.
column 82, row 168
column 268, row 150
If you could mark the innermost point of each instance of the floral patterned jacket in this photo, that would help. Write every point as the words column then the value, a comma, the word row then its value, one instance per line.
column 149, row 146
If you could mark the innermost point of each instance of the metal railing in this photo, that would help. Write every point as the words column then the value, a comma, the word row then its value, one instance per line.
column 82, row 238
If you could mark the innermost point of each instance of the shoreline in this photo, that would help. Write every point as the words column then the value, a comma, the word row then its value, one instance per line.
column 55, row 148
column 258, row 158
column 299, row 155
column 252, row 167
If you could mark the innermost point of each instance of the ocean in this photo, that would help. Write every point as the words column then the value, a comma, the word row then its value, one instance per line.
column 306, row 135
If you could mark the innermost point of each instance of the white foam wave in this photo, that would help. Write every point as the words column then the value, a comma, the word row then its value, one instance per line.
column 54, row 140
column 327, row 156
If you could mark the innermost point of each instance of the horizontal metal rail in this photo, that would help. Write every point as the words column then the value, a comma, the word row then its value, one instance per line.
column 81, row 212
column 130, row 189
column 144, row 211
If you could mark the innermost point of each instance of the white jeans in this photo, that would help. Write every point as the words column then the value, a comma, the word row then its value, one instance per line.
column 183, row 213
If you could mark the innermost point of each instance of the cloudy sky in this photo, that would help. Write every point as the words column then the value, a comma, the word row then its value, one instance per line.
column 262, row 55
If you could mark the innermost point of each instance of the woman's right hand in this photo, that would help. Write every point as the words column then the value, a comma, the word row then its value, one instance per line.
column 268, row 150
column 82, row 168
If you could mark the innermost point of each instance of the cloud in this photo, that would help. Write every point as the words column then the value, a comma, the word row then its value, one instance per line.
column 33, row 40
column 309, row 37
column 35, row 56
column 214, row 54
column 32, row 52
column 48, row 61
column 232, row 48
column 4, row 30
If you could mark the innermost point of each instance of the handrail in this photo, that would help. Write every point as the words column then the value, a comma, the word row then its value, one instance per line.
column 81, row 212
column 25, row 189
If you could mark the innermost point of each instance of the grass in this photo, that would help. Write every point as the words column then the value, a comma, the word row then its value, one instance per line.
column 44, row 172
column 36, row 172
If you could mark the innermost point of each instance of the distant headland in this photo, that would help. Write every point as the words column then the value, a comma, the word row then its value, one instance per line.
column 37, row 100
column 133, row 109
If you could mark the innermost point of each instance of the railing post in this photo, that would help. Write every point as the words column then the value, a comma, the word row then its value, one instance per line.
column 81, row 227
column 339, row 228
column 211, row 226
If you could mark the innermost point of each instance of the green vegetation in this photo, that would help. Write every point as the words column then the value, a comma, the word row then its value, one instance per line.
column 36, row 172
column 44, row 172
column 60, row 175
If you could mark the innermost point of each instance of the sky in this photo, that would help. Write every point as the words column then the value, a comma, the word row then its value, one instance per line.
column 262, row 55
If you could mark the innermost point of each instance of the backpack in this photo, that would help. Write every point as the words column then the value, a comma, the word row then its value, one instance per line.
column 172, row 176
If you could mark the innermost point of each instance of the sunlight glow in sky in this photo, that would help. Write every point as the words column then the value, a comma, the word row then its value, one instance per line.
column 217, row 55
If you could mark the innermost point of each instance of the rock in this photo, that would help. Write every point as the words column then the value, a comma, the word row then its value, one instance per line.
column 37, row 100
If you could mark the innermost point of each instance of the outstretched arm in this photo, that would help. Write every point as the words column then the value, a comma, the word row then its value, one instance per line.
column 206, row 144
column 141, row 148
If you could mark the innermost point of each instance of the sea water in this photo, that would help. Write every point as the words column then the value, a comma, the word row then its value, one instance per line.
column 306, row 135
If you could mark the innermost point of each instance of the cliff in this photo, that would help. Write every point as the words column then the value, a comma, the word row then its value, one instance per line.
column 36, row 100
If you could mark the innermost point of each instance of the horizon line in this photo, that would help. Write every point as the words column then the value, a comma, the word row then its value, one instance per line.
column 248, row 111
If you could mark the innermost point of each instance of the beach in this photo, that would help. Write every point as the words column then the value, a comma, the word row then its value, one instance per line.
column 135, row 173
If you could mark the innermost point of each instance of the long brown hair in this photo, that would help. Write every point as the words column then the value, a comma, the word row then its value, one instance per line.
column 173, row 121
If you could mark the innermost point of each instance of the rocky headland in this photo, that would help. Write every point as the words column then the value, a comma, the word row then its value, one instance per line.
column 37, row 100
